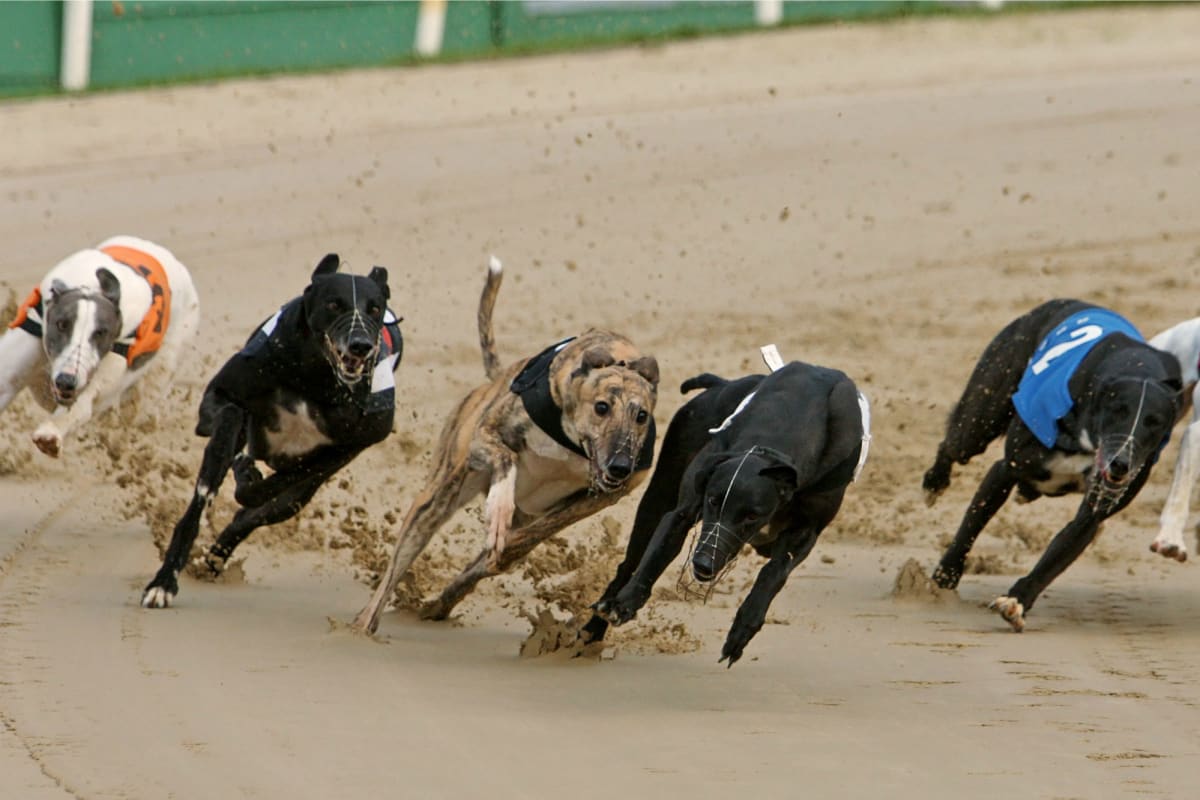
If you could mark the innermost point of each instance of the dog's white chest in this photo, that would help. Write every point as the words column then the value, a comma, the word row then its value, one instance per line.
column 547, row 472
column 295, row 432
column 1067, row 473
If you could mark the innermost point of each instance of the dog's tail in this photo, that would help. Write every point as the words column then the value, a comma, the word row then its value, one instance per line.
column 487, row 302
column 703, row 381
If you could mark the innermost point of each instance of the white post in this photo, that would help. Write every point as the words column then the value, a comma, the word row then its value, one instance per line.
column 76, row 64
column 768, row 12
column 431, row 27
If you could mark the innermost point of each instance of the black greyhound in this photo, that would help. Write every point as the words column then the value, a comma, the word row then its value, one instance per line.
column 1085, row 406
column 761, row 460
column 312, row 388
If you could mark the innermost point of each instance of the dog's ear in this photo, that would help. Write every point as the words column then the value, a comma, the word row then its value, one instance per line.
column 110, row 287
column 329, row 265
column 57, row 288
column 704, row 471
column 379, row 276
column 594, row 358
column 784, row 476
column 647, row 367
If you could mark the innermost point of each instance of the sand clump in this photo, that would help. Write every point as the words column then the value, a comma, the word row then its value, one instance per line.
column 913, row 583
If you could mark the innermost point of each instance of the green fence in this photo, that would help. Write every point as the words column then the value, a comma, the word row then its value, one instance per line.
column 138, row 43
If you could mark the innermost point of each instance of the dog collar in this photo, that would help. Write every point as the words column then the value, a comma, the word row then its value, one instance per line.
column 532, row 385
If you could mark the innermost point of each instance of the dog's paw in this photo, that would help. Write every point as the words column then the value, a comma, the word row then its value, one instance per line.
column 946, row 578
column 207, row 566
column 366, row 623
column 618, row 610
column 735, row 644
column 246, row 477
column 1011, row 609
column 161, row 591
column 48, row 438
column 434, row 610
column 1169, row 547
column 936, row 481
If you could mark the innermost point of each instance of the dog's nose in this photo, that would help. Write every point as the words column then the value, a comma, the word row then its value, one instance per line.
column 359, row 348
column 1118, row 470
column 620, row 467
column 65, row 384
column 703, row 567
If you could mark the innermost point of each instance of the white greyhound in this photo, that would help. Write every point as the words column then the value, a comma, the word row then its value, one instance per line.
column 1183, row 342
column 97, row 323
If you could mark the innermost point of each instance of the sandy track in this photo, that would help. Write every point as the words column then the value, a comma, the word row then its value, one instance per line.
column 881, row 199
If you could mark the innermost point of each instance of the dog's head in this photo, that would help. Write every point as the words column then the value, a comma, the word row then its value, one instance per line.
column 607, row 391
column 80, row 325
column 344, row 314
column 740, row 493
column 1130, row 418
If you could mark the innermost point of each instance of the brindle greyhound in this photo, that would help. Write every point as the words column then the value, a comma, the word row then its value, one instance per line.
column 552, row 440
column 101, row 321
column 1085, row 406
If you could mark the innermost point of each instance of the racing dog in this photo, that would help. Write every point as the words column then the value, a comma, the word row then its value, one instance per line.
column 312, row 388
column 1183, row 342
column 100, row 321
column 1085, row 405
column 772, row 475
column 552, row 439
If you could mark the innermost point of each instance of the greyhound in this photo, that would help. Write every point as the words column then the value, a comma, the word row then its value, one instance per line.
column 101, row 321
column 312, row 388
column 772, row 475
column 1085, row 406
column 552, row 439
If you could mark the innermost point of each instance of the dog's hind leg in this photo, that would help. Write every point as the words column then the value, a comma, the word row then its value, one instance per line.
column 226, row 440
column 991, row 494
column 520, row 542
column 281, row 497
column 1170, row 541
column 430, row 510
column 985, row 410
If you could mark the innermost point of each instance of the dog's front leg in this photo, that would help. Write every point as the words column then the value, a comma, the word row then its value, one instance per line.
column 790, row 550
column 991, row 494
column 105, row 382
column 226, row 441
column 521, row 541
column 499, row 508
column 666, row 543
column 1170, row 542
column 1064, row 548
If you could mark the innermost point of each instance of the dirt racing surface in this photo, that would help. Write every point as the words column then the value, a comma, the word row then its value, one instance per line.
column 881, row 199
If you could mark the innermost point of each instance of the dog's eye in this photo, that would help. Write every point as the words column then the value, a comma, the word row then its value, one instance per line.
column 642, row 416
column 375, row 312
column 63, row 326
column 99, row 334
column 751, row 517
column 712, row 501
column 333, row 305
column 602, row 408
